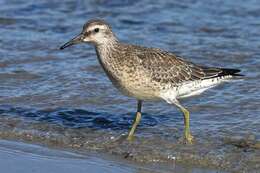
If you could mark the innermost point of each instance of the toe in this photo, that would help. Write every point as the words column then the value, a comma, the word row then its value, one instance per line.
column 189, row 139
column 130, row 138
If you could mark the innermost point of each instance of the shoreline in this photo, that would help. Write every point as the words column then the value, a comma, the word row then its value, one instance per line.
column 32, row 158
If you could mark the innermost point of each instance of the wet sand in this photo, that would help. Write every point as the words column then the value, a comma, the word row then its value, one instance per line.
column 29, row 158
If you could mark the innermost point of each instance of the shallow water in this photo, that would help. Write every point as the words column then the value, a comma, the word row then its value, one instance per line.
column 63, row 98
column 36, row 159
column 29, row 158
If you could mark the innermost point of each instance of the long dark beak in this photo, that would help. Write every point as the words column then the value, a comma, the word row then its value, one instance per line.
column 76, row 40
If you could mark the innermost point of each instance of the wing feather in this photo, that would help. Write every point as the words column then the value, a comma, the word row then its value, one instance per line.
column 168, row 68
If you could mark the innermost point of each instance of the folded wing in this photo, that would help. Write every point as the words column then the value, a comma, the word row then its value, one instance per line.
column 166, row 67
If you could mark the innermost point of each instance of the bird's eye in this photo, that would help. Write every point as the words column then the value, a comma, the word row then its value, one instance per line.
column 96, row 30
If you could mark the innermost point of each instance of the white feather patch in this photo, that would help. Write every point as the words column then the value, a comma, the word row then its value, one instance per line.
column 192, row 88
column 97, row 26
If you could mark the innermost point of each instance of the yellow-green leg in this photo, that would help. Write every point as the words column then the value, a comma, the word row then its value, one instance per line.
column 186, row 115
column 136, row 122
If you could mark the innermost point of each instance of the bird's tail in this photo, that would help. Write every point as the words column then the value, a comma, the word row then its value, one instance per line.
column 229, row 71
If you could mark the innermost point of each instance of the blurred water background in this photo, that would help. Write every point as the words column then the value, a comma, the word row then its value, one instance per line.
column 63, row 98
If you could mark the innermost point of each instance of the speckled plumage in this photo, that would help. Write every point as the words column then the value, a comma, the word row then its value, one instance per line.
column 144, row 73
column 149, row 73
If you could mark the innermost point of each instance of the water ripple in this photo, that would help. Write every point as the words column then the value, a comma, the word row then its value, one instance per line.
column 64, row 98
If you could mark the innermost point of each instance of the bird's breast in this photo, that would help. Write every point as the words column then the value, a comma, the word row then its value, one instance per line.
column 128, row 76
column 132, row 82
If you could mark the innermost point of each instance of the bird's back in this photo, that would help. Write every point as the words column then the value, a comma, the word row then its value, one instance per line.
column 146, row 73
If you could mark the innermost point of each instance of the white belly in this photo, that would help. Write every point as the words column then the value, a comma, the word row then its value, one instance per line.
column 192, row 88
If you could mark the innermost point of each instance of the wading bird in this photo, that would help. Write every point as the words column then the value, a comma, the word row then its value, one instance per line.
column 149, row 73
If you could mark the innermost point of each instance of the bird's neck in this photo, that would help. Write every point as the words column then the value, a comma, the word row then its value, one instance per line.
column 106, row 49
column 108, row 56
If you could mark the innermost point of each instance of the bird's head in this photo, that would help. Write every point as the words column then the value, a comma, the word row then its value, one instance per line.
column 97, row 32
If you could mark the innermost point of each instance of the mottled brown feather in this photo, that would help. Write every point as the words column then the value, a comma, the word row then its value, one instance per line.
column 168, row 68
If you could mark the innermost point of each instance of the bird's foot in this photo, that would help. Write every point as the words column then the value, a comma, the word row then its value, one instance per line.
column 189, row 139
column 186, row 139
column 130, row 138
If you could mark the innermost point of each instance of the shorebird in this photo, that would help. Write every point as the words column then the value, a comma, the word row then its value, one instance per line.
column 149, row 73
